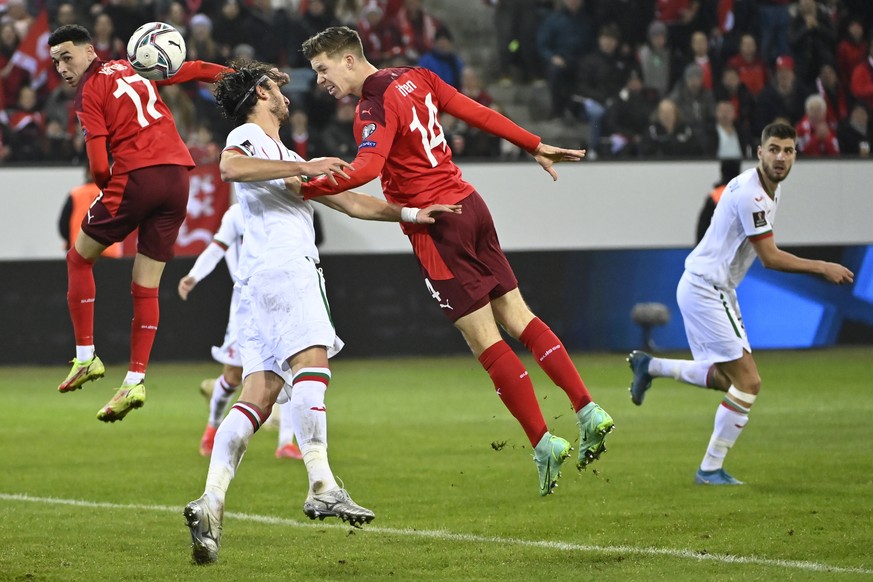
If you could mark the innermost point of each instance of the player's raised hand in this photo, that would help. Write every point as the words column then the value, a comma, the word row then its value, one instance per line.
column 429, row 215
column 327, row 167
column 837, row 274
column 547, row 156
column 186, row 283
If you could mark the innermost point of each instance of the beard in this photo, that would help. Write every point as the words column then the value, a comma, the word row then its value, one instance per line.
column 280, row 110
column 771, row 174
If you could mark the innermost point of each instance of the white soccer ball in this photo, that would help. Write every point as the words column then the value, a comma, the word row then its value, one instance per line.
column 156, row 51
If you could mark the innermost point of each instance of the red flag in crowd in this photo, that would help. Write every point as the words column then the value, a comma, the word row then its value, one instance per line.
column 33, row 52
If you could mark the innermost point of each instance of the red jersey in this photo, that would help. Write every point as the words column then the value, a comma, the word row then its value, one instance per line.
column 113, row 101
column 400, row 137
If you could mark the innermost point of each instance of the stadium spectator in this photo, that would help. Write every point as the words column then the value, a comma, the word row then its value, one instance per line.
column 228, row 28
column 601, row 75
column 464, row 268
column 317, row 16
column 741, row 229
column 828, row 85
column 286, row 332
column 655, row 59
column 57, row 145
column 783, row 97
column 680, row 17
column 815, row 137
column 727, row 139
column 380, row 35
column 632, row 17
column 563, row 39
column 65, row 14
column 107, row 46
column 200, row 44
column 515, row 24
column 74, row 210
column 774, row 19
column 418, row 28
column 263, row 27
column 13, row 77
column 26, row 124
column 177, row 17
column 851, row 50
column 628, row 117
column 695, row 102
column 146, row 188
column 126, row 15
column 17, row 15
column 853, row 134
column 347, row 11
column 668, row 136
column 862, row 79
column 337, row 138
column 749, row 66
column 472, row 87
column 182, row 108
column 700, row 55
column 443, row 60
column 813, row 40
column 732, row 89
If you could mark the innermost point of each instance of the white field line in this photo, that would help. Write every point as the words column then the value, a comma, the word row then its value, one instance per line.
column 442, row 535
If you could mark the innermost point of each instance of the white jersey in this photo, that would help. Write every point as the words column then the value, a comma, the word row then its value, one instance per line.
column 745, row 213
column 278, row 224
column 230, row 236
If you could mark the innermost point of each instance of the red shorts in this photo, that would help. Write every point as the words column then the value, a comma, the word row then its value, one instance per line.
column 153, row 199
column 461, row 259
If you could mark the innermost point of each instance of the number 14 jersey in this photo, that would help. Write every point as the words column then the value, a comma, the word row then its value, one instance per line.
column 112, row 101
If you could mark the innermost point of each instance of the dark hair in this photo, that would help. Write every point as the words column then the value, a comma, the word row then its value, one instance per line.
column 779, row 131
column 332, row 41
column 74, row 32
column 235, row 90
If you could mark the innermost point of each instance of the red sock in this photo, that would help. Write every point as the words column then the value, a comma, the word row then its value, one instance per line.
column 515, row 389
column 146, row 314
column 553, row 358
column 81, row 292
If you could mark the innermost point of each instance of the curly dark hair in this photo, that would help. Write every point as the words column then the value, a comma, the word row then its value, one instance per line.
column 235, row 90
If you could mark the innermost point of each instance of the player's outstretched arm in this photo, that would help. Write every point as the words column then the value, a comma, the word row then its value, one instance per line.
column 772, row 257
column 186, row 284
column 547, row 156
column 236, row 167
column 366, row 207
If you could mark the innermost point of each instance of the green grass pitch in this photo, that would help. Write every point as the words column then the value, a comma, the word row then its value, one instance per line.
column 419, row 442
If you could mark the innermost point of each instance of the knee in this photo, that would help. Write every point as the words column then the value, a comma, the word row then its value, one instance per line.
column 750, row 385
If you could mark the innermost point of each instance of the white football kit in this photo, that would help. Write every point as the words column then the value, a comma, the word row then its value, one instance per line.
column 283, row 307
column 707, row 290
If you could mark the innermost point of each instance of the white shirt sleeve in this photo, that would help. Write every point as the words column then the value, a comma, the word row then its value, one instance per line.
column 752, row 211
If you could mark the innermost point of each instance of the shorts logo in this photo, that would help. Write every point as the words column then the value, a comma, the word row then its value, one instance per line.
column 760, row 218
column 436, row 295
column 368, row 130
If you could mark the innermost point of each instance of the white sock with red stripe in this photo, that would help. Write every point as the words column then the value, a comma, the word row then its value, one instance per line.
column 231, row 440
column 222, row 392
column 286, row 424
column 730, row 420
column 688, row 371
column 309, row 418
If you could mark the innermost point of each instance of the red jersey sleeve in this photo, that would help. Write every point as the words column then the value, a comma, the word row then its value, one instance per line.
column 196, row 71
column 486, row 119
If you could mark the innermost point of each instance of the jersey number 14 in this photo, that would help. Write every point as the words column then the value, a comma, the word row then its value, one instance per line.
column 431, row 136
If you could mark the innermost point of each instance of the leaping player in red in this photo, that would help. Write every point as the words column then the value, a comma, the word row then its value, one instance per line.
column 146, row 187
column 400, row 138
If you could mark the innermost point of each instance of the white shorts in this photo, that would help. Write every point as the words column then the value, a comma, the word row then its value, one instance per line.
column 228, row 352
column 713, row 322
column 281, row 313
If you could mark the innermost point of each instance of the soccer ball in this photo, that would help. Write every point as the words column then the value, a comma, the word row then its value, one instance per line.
column 156, row 51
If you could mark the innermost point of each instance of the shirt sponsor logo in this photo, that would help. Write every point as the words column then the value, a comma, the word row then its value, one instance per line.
column 760, row 219
column 368, row 130
column 367, row 144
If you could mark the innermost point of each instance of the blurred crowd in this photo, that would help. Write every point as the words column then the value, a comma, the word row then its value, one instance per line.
column 647, row 78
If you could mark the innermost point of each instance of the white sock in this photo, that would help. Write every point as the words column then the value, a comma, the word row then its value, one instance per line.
column 222, row 392
column 309, row 419
column 286, row 423
column 730, row 419
column 688, row 371
column 231, row 441
column 84, row 353
column 133, row 378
